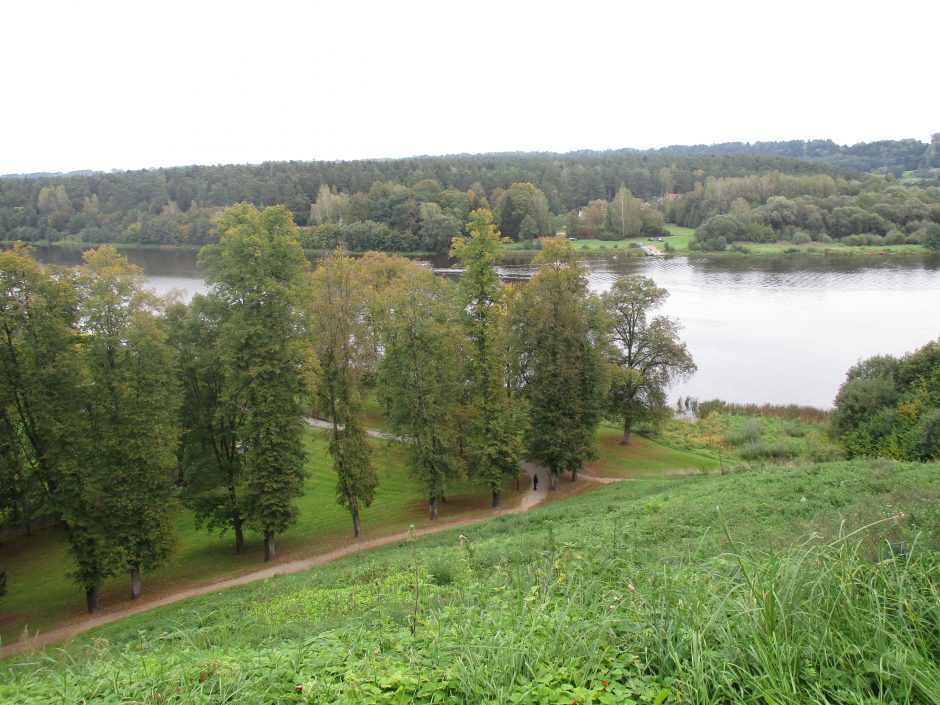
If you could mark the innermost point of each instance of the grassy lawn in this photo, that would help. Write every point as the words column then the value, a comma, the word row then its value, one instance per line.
column 679, row 238
column 40, row 593
column 643, row 457
column 645, row 592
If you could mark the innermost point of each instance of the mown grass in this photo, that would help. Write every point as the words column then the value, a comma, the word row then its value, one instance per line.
column 40, row 593
column 628, row 246
column 643, row 457
column 783, row 585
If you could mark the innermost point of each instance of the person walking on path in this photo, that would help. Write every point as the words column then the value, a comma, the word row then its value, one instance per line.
column 535, row 482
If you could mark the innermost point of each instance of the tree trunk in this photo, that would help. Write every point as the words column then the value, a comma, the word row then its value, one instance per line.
column 495, row 498
column 237, row 521
column 554, row 484
column 574, row 475
column 91, row 598
column 433, row 505
column 627, row 423
column 269, row 550
column 135, row 581
column 357, row 530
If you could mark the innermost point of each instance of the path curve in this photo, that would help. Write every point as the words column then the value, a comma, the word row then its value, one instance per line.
column 530, row 499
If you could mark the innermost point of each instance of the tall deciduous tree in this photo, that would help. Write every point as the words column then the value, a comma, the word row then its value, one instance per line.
column 256, row 270
column 420, row 377
column 523, row 212
column 131, row 403
column 626, row 213
column 338, row 318
column 496, row 439
column 647, row 352
column 211, row 468
column 44, row 430
column 561, row 365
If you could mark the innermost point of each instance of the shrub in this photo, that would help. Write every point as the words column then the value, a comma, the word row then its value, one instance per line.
column 747, row 432
column 794, row 430
column 895, row 237
column 800, row 238
column 752, row 450
column 442, row 571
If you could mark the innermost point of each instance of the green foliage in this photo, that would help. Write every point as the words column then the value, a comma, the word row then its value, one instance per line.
column 887, row 407
column 497, row 414
column 211, row 467
column 647, row 352
column 662, row 598
column 559, row 341
column 345, row 351
column 256, row 270
column 523, row 212
column 735, row 434
column 131, row 404
column 420, row 379
column 932, row 236
column 749, row 431
column 88, row 408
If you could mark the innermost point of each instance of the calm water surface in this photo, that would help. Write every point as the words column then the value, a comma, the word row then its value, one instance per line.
column 780, row 331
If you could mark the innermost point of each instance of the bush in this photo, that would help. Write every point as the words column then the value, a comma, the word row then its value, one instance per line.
column 749, row 431
column 801, row 238
column 442, row 571
column 895, row 237
column 794, row 430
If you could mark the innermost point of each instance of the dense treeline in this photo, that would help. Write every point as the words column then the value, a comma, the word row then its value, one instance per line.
column 890, row 407
column 894, row 156
column 781, row 207
column 116, row 407
column 394, row 205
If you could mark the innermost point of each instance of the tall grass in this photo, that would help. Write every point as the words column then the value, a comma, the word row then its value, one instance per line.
column 792, row 412
column 570, row 603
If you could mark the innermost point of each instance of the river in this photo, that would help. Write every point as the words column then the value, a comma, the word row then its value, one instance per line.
column 782, row 330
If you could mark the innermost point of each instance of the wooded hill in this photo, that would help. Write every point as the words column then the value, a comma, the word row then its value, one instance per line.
column 422, row 203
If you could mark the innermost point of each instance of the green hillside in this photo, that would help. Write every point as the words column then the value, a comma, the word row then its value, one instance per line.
column 780, row 585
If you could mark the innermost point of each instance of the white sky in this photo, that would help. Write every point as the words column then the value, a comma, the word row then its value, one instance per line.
column 136, row 83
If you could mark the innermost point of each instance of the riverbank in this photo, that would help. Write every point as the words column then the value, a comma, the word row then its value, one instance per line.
column 680, row 238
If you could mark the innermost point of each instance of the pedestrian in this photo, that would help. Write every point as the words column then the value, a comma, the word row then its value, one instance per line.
column 535, row 482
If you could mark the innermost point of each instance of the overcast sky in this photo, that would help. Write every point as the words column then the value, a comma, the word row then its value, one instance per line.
column 132, row 84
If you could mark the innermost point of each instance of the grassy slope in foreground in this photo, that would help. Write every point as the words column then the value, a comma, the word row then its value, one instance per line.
column 634, row 593
column 41, row 595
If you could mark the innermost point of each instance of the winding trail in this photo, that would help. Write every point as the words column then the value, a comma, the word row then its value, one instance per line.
column 530, row 499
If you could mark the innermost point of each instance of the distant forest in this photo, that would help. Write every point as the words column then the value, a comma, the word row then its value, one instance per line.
column 421, row 203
